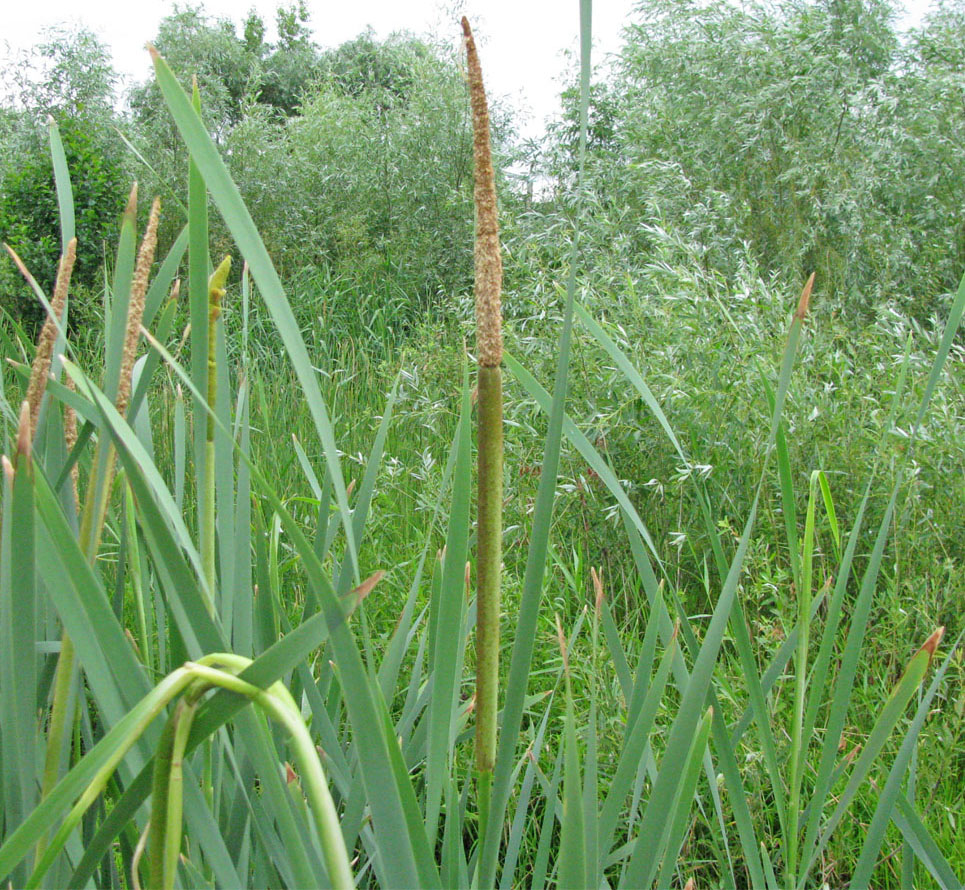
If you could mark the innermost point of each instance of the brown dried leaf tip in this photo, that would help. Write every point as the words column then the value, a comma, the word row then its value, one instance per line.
column 931, row 644
column 367, row 586
column 802, row 306
column 488, row 262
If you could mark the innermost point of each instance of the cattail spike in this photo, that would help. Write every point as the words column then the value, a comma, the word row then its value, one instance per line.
column 48, row 335
column 489, row 267
column 135, row 306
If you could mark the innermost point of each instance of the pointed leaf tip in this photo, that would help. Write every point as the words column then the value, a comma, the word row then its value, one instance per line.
column 802, row 306
column 366, row 587
column 598, row 588
column 131, row 207
column 24, row 433
column 561, row 639
column 931, row 644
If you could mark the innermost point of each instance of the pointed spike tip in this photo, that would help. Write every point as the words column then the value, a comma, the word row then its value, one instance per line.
column 219, row 278
column 7, row 468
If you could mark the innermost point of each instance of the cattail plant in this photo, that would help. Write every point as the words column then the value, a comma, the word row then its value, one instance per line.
column 95, row 505
column 373, row 730
column 489, row 348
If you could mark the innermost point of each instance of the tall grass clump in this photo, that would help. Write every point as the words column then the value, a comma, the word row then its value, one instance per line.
column 198, row 688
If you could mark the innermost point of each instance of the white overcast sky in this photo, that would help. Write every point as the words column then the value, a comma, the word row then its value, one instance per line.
column 521, row 41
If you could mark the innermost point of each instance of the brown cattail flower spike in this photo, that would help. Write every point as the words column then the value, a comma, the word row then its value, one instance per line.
column 489, row 266
column 489, row 347
column 48, row 336
column 135, row 307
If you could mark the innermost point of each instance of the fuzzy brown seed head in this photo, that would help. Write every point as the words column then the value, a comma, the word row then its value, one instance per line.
column 48, row 335
column 135, row 307
column 8, row 470
column 488, row 262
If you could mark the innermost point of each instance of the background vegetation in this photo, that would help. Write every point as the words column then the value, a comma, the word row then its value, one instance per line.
column 732, row 151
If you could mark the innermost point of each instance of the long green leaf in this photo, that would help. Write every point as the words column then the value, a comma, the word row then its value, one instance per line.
column 225, row 193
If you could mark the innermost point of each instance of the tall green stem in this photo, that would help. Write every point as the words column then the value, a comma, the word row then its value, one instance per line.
column 489, row 553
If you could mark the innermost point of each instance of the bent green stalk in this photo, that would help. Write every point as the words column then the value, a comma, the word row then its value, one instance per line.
column 489, row 346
